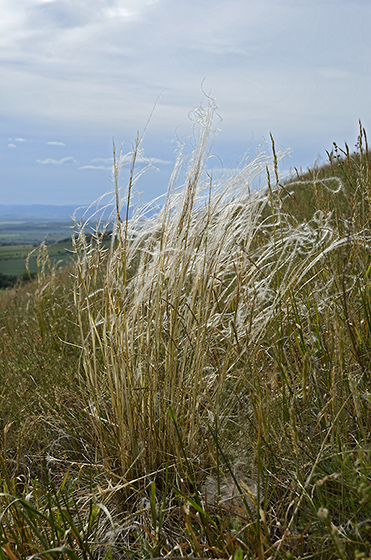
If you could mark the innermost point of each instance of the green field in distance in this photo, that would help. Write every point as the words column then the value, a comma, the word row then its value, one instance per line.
column 18, row 238
column 32, row 232
column 12, row 257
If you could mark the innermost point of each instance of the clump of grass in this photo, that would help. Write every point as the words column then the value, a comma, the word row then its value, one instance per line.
column 222, row 347
column 165, row 309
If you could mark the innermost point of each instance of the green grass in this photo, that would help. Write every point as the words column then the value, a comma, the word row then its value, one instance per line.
column 14, row 257
column 199, row 386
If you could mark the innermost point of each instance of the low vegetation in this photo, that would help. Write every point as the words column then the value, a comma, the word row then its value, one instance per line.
column 19, row 263
column 199, row 386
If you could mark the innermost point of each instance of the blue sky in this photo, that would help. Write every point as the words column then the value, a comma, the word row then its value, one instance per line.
column 76, row 73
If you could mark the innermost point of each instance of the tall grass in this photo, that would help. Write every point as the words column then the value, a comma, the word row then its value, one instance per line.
column 164, row 311
column 224, row 350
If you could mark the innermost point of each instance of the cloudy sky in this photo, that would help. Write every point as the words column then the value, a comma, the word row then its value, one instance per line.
column 76, row 73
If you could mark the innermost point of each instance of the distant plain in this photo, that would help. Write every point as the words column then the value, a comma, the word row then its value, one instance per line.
column 18, row 237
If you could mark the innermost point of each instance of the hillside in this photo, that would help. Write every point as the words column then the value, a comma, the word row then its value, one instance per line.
column 201, row 388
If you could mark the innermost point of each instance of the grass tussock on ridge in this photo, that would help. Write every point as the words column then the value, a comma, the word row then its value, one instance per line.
column 201, row 385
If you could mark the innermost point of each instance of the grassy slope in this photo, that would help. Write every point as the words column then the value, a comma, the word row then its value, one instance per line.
column 254, row 330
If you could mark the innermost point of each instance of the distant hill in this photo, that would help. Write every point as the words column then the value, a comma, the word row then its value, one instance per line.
column 36, row 213
column 40, row 211
column 31, row 224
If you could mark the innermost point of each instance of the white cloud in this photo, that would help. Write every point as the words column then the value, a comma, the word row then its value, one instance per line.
column 106, row 61
column 13, row 140
column 99, row 164
column 141, row 158
column 63, row 161
column 96, row 167
column 55, row 143
column 161, row 161
column 107, row 163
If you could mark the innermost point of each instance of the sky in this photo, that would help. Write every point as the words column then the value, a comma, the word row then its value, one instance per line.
column 76, row 74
